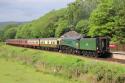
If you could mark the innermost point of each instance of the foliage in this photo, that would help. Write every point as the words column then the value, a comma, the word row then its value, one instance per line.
column 10, row 33
column 24, row 31
column 101, row 20
column 56, row 23
column 16, row 72
column 82, row 27
column 1, row 35
column 90, row 17
column 108, row 20
column 67, row 66
column 80, row 9
column 62, row 27
column 43, row 27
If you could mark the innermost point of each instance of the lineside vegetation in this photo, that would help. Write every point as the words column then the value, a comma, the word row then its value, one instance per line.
column 66, row 65
column 16, row 72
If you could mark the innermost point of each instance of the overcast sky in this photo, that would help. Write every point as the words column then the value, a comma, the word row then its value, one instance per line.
column 27, row 10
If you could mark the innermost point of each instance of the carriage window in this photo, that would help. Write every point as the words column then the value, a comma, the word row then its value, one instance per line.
column 53, row 42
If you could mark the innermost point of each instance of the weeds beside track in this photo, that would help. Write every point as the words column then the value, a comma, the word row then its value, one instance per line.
column 67, row 65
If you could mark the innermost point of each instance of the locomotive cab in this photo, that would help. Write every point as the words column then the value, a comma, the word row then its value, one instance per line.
column 103, row 43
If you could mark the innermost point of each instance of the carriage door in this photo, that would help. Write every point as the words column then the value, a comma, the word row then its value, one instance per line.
column 104, row 44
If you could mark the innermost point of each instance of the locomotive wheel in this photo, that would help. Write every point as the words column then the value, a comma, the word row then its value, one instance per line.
column 94, row 55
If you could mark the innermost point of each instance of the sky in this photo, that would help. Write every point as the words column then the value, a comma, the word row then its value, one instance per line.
column 27, row 10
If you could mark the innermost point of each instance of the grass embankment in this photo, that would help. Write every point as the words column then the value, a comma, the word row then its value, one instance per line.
column 67, row 66
column 13, row 72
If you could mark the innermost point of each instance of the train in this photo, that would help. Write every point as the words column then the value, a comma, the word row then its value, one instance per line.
column 85, row 46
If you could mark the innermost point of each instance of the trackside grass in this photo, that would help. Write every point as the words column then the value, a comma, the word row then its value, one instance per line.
column 82, row 70
column 15, row 72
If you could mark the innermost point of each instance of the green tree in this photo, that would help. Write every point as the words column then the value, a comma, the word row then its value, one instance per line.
column 101, row 21
column 119, row 30
column 82, row 27
column 62, row 28
column 10, row 33
column 80, row 9
column 24, row 31
column 108, row 20
column 1, row 35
